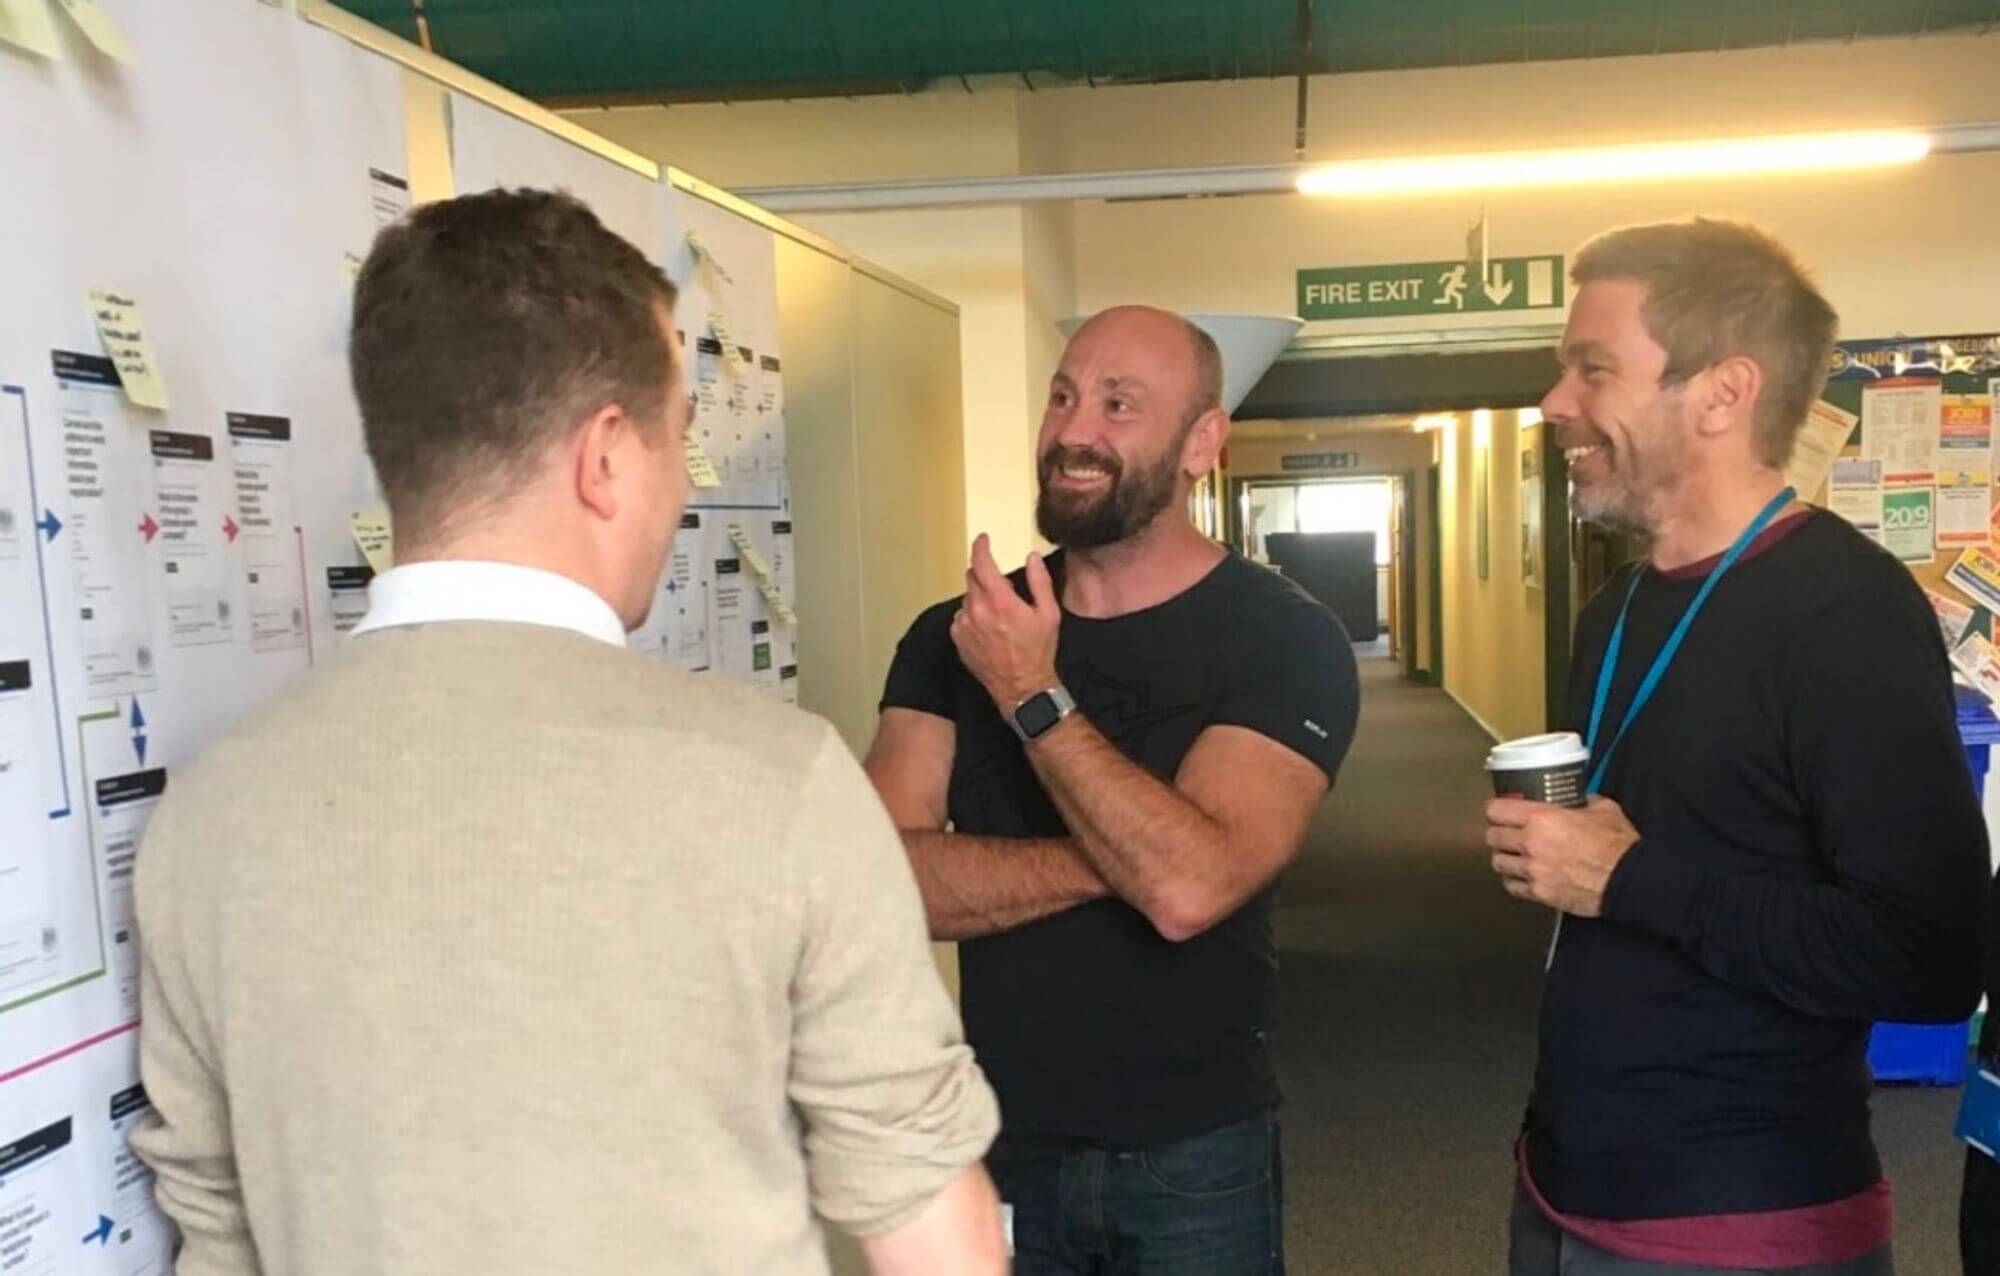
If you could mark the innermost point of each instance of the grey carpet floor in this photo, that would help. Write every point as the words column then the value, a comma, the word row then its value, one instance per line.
column 1411, row 983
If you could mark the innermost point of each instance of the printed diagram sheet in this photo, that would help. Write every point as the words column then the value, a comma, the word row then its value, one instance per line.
column 192, row 528
column 16, row 516
column 124, row 804
column 108, row 533
column 677, row 628
column 739, row 539
column 730, row 596
column 268, row 537
column 35, row 1189
column 784, row 565
column 30, row 908
column 347, row 588
column 27, row 647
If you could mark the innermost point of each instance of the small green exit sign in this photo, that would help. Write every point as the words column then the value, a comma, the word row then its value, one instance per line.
column 1404, row 289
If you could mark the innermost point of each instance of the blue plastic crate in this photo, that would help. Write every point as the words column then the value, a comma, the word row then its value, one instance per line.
column 1922, row 1053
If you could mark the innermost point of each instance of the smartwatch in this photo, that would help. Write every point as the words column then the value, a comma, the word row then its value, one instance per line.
column 1038, row 715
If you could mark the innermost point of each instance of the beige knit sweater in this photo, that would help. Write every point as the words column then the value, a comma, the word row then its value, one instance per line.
column 493, row 949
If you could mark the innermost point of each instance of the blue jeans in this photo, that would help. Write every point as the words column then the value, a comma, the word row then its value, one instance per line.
column 1210, row 1205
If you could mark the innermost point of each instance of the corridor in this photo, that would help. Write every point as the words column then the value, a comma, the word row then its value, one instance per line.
column 1410, row 988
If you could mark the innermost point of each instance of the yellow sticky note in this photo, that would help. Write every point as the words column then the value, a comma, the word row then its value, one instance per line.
column 702, row 254
column 700, row 468
column 758, row 563
column 102, row 29
column 29, row 24
column 376, row 538
column 732, row 353
column 124, row 335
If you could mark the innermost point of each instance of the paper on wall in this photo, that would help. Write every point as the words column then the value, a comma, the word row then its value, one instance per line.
column 109, row 530
column 1827, row 429
column 388, row 196
column 1965, row 432
column 1964, row 508
column 1899, row 427
column 195, row 530
column 1954, row 617
column 28, row 24
column 123, row 332
column 1855, row 494
column 102, row 29
column 1980, row 663
column 1909, row 523
column 1976, row 574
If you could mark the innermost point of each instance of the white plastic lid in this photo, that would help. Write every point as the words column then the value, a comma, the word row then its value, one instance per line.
column 1558, row 748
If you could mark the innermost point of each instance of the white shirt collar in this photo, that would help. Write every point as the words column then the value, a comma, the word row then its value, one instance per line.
column 433, row 592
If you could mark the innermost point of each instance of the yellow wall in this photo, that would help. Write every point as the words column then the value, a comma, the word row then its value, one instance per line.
column 1494, row 628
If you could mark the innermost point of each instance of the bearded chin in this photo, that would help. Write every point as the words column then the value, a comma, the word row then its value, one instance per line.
column 1080, row 524
column 1134, row 501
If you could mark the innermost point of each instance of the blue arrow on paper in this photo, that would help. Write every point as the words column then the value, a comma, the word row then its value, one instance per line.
column 101, row 1233
column 138, row 731
column 50, row 524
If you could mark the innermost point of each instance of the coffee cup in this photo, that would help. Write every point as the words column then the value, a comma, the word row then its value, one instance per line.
column 1542, row 768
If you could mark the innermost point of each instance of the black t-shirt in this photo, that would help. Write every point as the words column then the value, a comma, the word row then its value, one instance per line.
column 1813, row 859
column 1093, row 1028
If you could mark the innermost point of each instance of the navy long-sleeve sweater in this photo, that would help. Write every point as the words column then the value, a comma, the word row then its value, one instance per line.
column 1812, row 859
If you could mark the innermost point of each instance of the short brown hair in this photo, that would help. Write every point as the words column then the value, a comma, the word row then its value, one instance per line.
column 1717, row 289
column 484, row 328
column 1207, row 371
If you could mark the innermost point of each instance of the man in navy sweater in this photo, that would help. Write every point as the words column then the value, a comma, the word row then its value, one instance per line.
column 1783, row 845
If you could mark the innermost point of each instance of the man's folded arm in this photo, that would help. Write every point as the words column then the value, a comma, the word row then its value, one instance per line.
column 971, row 886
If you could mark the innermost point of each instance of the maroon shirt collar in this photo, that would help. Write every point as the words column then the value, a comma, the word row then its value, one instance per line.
column 1770, row 536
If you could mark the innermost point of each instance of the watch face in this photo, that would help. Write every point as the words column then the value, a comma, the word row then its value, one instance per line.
column 1037, row 715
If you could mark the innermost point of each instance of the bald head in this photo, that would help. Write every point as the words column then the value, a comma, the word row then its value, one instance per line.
column 1171, row 340
column 1134, row 419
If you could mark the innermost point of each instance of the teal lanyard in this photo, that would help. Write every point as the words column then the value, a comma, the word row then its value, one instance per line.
column 1669, row 649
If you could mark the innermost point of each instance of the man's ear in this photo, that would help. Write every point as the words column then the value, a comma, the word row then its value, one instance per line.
column 1205, row 442
column 1730, row 395
column 595, row 457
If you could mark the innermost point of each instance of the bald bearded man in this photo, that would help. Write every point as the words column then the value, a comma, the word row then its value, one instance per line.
column 1099, row 765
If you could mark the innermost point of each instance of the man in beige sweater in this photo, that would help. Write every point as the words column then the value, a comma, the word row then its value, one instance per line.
column 495, row 948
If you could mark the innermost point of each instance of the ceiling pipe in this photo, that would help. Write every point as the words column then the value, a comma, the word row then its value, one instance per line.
column 1156, row 183
column 1305, row 79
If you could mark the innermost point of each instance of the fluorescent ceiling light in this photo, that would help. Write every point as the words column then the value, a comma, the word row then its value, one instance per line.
column 1433, row 421
column 1646, row 162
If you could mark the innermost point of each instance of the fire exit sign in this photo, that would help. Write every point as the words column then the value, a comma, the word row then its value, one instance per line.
column 1431, row 288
